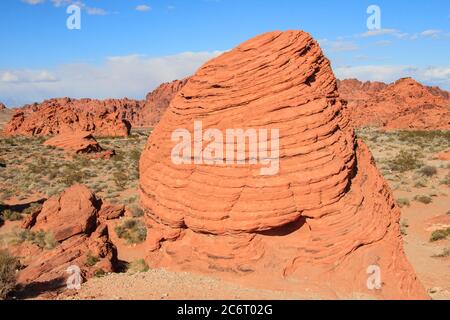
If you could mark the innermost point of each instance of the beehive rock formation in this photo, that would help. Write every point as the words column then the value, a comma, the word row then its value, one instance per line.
column 79, row 143
column 65, row 115
column 404, row 104
column 73, row 218
column 317, row 225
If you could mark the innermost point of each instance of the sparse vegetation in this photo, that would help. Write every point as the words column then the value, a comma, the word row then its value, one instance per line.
column 428, row 171
column 11, row 215
column 405, row 161
column 403, row 202
column 91, row 260
column 42, row 239
column 99, row 273
column 404, row 225
column 445, row 253
column 8, row 267
column 132, row 230
column 138, row 266
column 423, row 199
column 439, row 234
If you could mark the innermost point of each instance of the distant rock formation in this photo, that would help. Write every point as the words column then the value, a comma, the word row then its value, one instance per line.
column 2, row 106
column 111, row 117
column 66, row 115
column 73, row 220
column 318, row 226
column 79, row 143
column 404, row 104
column 156, row 103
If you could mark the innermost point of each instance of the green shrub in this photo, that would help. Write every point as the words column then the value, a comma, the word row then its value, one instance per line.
column 138, row 266
column 91, row 260
column 439, row 234
column 40, row 238
column 137, row 211
column 99, row 273
column 405, row 161
column 403, row 202
column 132, row 230
column 8, row 267
column 11, row 215
column 423, row 199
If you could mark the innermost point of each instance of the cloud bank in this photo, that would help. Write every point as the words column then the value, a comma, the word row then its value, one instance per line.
column 130, row 76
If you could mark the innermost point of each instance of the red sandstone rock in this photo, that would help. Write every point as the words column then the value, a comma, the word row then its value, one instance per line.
column 72, row 218
column 317, row 225
column 57, row 116
column 158, row 101
column 110, row 211
column 77, row 142
column 80, row 143
column 405, row 104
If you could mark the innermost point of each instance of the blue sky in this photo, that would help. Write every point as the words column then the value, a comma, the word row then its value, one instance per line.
column 127, row 47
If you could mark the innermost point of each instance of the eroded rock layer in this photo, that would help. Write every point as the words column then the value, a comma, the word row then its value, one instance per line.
column 56, row 116
column 73, row 219
column 404, row 104
column 317, row 225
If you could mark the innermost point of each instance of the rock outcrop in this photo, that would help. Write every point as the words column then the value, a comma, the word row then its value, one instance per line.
column 404, row 104
column 79, row 143
column 2, row 106
column 72, row 218
column 111, row 117
column 56, row 116
column 157, row 102
column 318, row 226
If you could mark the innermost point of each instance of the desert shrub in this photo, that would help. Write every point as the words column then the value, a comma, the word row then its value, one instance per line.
column 405, row 161
column 99, row 273
column 428, row 171
column 138, row 266
column 8, row 267
column 439, row 234
column 11, row 215
column 445, row 253
column 135, row 155
column 132, row 230
column 403, row 202
column 446, row 180
column 91, row 260
column 420, row 183
column 136, row 211
column 120, row 179
column 40, row 238
column 32, row 208
column 423, row 199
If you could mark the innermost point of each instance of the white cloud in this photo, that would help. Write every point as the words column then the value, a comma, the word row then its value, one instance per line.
column 130, row 76
column 380, row 32
column 143, row 7
column 33, row 2
column 432, row 33
column 96, row 11
column 433, row 75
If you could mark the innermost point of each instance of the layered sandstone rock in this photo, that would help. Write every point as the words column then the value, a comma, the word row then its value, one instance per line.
column 72, row 218
column 56, row 116
column 79, row 143
column 404, row 104
column 157, row 102
column 314, row 227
